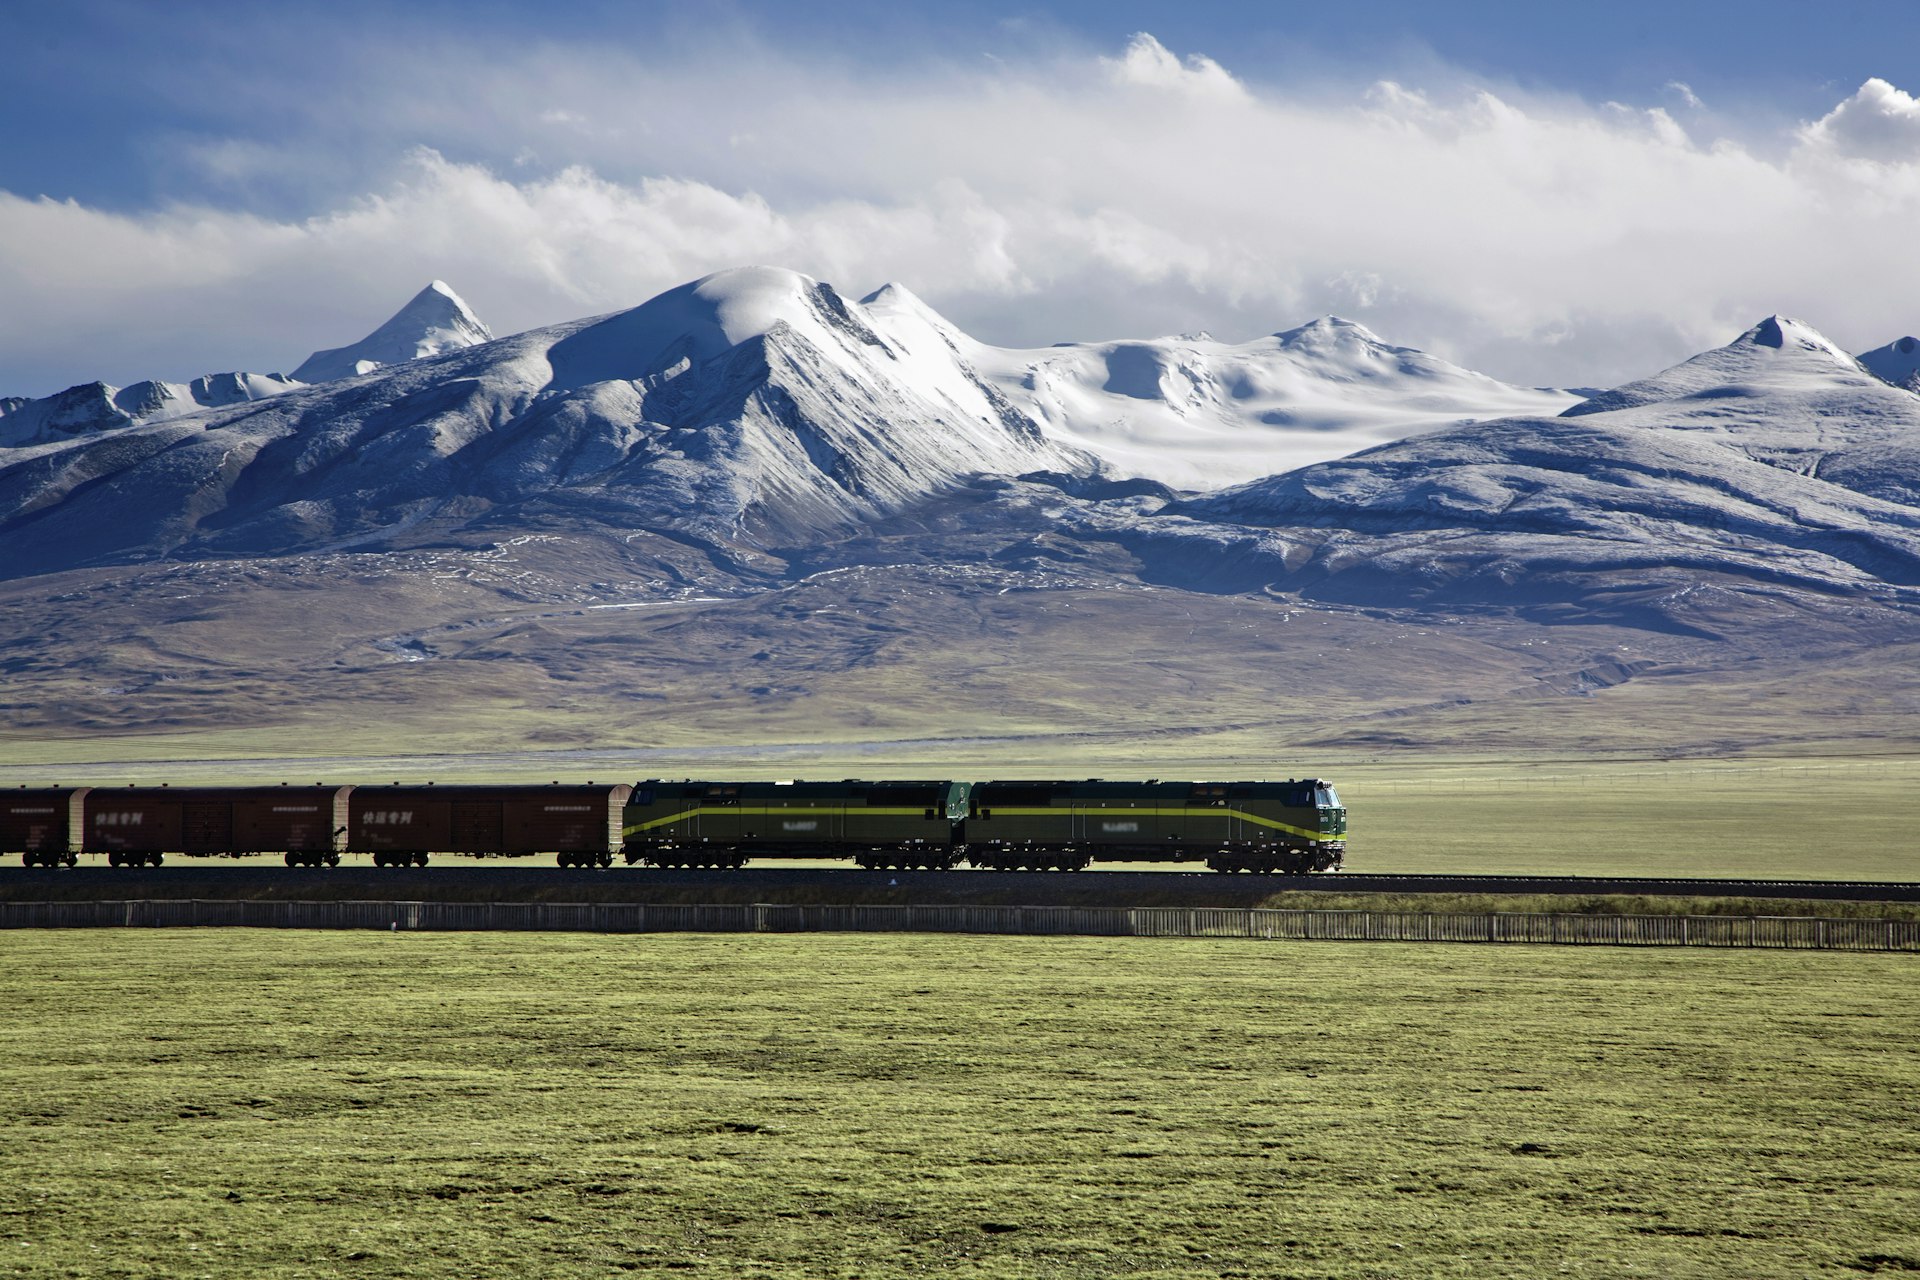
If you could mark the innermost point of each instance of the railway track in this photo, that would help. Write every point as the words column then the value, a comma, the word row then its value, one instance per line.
column 196, row 878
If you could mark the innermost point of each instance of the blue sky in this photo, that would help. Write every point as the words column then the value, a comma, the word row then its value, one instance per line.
column 1550, row 192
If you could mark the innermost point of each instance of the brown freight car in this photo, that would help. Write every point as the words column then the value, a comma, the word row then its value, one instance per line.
column 40, row 823
column 402, row 826
column 138, row 826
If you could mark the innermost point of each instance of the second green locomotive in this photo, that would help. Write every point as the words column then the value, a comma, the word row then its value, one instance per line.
column 1291, row 827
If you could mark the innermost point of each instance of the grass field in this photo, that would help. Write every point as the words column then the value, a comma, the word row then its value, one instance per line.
column 1824, row 819
column 230, row 1103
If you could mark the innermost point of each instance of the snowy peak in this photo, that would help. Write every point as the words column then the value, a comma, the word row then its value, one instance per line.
column 1198, row 413
column 697, row 322
column 895, row 304
column 1779, row 355
column 94, row 407
column 751, row 409
column 433, row 323
column 1898, row 363
column 1330, row 332
column 1785, row 333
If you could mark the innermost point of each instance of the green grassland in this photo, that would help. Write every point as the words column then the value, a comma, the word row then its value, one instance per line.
column 230, row 1103
column 1820, row 819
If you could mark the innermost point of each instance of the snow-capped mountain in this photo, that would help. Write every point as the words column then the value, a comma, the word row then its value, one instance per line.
column 1898, row 362
column 758, row 410
column 1199, row 414
column 755, row 406
column 433, row 323
column 96, row 407
column 1196, row 413
column 1775, row 459
column 757, row 507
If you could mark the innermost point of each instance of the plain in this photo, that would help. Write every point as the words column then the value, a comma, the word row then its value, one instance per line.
column 231, row 1103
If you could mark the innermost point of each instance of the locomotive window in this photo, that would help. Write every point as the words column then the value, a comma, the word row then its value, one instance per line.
column 1020, row 796
column 643, row 796
column 1325, row 796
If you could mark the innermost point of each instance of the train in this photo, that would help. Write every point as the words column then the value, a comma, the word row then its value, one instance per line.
column 1293, row 827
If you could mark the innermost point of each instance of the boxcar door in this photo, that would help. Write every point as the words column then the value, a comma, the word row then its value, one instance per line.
column 206, row 826
column 476, row 827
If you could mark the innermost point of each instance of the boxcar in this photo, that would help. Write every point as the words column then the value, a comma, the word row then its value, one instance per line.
column 138, row 826
column 41, row 824
column 722, row 824
column 1292, row 826
column 402, row 826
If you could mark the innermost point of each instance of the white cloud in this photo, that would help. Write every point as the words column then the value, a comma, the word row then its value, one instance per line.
column 1075, row 197
column 1684, row 91
column 1877, row 123
column 1149, row 63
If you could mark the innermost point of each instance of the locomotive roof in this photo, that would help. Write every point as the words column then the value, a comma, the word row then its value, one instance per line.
column 687, row 788
column 1158, row 789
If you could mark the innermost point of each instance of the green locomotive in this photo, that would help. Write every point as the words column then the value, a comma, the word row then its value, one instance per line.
column 906, row 825
column 1293, row 827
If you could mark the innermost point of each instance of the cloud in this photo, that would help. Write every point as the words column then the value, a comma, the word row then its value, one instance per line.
column 1149, row 63
column 1877, row 123
column 1684, row 91
column 1070, row 196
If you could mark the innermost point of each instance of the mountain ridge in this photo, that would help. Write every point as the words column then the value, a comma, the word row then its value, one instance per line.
column 756, row 507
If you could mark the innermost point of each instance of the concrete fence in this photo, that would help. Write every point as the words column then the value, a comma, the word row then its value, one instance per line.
column 1789, row 932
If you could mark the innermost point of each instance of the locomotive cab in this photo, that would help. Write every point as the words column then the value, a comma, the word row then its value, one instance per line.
column 1333, row 815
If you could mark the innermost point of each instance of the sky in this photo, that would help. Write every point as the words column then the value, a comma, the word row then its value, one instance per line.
column 1553, row 194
